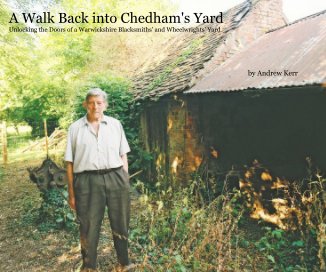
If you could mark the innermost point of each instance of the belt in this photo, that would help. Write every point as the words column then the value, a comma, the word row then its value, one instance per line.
column 99, row 171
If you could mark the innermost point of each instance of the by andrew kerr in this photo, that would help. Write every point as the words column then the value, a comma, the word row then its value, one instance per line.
column 274, row 73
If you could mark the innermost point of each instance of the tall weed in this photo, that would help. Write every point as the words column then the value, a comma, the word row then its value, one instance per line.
column 177, row 233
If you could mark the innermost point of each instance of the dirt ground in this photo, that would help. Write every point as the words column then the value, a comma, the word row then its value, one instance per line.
column 22, row 246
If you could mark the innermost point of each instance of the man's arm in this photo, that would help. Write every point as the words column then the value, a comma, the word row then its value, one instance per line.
column 70, row 176
column 125, row 162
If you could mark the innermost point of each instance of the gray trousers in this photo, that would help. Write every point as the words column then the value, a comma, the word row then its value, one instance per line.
column 93, row 192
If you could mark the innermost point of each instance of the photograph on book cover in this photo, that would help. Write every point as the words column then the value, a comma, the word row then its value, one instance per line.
column 163, row 135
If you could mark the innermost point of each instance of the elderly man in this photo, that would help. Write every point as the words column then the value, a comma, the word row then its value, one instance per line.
column 97, row 170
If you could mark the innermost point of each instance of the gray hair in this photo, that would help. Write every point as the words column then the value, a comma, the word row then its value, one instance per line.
column 97, row 92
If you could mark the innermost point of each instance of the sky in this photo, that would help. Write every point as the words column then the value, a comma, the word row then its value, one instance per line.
column 293, row 9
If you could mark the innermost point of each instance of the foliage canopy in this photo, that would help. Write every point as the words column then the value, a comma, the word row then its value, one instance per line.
column 42, row 73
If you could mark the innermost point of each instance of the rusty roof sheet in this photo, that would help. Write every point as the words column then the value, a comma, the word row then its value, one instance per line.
column 299, row 47
column 187, row 54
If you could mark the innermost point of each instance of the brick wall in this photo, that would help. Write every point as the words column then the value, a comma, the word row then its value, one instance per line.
column 176, row 120
column 184, row 143
column 169, row 132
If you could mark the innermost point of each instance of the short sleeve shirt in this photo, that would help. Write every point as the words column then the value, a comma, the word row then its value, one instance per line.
column 88, row 151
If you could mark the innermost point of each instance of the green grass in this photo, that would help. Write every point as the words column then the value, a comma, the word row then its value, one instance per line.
column 18, row 149
column 21, row 130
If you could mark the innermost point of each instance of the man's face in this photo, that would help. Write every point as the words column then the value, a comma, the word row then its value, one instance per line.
column 95, row 106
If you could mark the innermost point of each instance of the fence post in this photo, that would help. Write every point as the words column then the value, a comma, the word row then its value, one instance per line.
column 4, row 143
column 46, row 138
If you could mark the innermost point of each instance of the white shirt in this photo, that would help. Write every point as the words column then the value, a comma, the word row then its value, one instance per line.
column 88, row 151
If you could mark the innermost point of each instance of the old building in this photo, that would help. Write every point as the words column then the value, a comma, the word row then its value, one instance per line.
column 202, row 107
column 275, row 116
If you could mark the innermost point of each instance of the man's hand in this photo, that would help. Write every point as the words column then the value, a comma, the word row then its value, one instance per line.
column 125, row 162
column 71, row 202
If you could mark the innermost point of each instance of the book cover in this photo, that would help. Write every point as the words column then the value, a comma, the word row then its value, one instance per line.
column 223, row 104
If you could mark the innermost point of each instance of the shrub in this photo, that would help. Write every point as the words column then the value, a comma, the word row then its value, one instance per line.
column 55, row 213
column 174, row 232
column 284, row 250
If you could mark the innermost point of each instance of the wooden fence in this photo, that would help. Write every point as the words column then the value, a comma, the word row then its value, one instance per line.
column 12, row 140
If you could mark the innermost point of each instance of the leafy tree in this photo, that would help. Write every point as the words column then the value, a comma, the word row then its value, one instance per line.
column 42, row 73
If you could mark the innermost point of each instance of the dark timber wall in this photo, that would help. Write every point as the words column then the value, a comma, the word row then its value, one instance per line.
column 153, row 134
column 279, row 128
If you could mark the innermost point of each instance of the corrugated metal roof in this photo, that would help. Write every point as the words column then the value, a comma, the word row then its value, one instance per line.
column 299, row 47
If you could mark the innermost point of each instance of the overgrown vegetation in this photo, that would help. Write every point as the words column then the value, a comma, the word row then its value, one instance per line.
column 289, row 251
column 158, row 80
column 178, row 231
column 55, row 213
column 177, row 228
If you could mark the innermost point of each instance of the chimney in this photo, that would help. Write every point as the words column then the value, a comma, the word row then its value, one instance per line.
column 268, row 14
